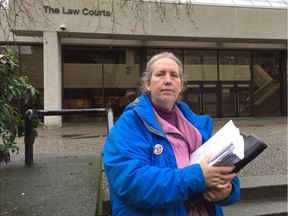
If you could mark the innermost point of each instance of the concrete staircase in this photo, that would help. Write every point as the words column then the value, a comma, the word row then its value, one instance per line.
column 261, row 195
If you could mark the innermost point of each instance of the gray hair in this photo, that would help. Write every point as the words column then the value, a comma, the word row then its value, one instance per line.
column 148, row 72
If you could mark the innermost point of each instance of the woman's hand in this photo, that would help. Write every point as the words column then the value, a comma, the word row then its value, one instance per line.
column 215, row 195
column 216, row 177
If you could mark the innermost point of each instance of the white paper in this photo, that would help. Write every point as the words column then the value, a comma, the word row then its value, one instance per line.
column 226, row 147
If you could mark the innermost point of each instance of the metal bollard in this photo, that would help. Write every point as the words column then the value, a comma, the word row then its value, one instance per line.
column 110, row 120
column 29, row 139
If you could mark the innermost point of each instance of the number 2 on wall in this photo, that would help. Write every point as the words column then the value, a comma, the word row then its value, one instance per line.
column 128, row 70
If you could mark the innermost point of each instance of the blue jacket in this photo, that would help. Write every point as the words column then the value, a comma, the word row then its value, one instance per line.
column 143, row 183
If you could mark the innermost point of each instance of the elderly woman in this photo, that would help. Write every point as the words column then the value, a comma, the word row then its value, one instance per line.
column 146, row 154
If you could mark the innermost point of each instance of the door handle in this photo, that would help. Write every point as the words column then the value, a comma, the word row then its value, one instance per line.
column 201, row 103
column 236, row 102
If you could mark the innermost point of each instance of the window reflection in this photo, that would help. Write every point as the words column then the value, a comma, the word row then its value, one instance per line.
column 95, row 78
column 103, row 77
column 200, row 65
column 234, row 66
column 266, row 83
column 32, row 67
column 152, row 52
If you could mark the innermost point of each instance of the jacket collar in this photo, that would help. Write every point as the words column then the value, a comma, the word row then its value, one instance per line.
column 143, row 107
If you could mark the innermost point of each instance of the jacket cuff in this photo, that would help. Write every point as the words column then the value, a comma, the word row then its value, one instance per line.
column 195, row 179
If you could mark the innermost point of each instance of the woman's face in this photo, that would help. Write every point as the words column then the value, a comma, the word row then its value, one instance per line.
column 165, row 84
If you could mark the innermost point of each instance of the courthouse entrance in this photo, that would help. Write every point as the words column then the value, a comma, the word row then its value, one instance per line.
column 220, row 99
column 220, row 83
column 235, row 99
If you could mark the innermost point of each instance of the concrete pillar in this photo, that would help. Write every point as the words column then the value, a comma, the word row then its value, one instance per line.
column 52, row 77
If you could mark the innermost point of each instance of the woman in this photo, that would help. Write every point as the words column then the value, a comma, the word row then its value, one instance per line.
column 146, row 154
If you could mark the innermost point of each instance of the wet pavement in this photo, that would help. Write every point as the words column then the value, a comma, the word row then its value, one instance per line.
column 67, row 167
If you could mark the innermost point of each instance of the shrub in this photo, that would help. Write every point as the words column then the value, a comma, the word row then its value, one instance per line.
column 14, row 87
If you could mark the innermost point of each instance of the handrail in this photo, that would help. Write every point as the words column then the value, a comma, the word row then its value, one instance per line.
column 30, row 113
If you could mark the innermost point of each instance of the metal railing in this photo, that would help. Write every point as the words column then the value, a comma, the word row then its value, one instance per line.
column 31, row 113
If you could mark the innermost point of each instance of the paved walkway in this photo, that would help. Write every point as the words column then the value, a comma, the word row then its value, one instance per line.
column 67, row 163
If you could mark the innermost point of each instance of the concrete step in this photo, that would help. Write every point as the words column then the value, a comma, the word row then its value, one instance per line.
column 263, row 207
column 260, row 195
column 263, row 187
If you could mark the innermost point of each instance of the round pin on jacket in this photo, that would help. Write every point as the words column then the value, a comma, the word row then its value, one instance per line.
column 158, row 149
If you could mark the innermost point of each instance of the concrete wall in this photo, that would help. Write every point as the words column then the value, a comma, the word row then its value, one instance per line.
column 144, row 19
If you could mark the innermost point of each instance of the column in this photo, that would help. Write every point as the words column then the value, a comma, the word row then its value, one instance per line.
column 52, row 77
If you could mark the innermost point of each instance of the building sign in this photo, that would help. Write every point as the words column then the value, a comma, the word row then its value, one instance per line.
column 72, row 11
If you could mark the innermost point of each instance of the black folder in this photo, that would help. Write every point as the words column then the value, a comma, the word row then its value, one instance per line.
column 253, row 146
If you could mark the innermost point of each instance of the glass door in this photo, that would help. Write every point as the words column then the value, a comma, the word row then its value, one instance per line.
column 222, row 99
column 235, row 99
column 201, row 98
column 208, row 99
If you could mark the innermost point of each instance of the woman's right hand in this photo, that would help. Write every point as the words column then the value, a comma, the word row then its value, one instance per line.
column 216, row 176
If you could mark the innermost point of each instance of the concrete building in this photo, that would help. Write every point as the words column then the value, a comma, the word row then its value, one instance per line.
column 91, row 53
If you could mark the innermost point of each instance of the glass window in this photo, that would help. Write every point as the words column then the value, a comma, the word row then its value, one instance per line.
column 230, row 2
column 200, row 65
column 205, row 1
column 123, row 74
column 152, row 52
column 114, row 57
column 268, row 61
column 261, row 3
column 242, row 2
column 4, row 4
column 266, row 93
column 234, row 66
column 93, row 56
column 99, row 77
column 32, row 64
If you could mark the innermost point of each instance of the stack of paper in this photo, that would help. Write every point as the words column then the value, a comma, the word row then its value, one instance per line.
column 226, row 147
